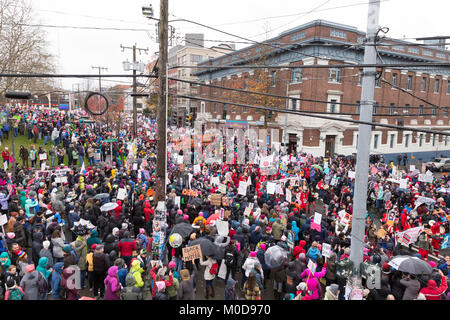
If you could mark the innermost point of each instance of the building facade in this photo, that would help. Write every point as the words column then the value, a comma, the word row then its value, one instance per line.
column 326, row 43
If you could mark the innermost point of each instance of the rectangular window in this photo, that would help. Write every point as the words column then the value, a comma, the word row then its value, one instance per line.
column 358, row 107
column 409, row 84
column 244, row 109
column 424, row 84
column 420, row 139
column 394, row 80
column 273, row 76
column 436, row 85
column 296, row 75
column 338, row 34
column 357, row 137
column 406, row 109
column 446, row 111
column 433, row 111
column 391, row 143
column 406, row 140
column 448, row 87
column 294, row 104
column 195, row 58
column 434, row 140
column 335, row 75
column 445, row 140
column 215, row 107
column 391, row 109
column 375, row 141
column 375, row 108
column 378, row 82
column 420, row 110
column 333, row 106
column 360, row 76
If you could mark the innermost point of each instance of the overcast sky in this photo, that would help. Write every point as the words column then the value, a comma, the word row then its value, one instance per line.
column 78, row 50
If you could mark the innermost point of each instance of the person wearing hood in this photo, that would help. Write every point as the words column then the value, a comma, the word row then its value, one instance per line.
column 56, row 280
column 112, row 284
column 412, row 287
column 312, row 280
column 126, row 246
column 136, row 271
column 13, row 291
column 432, row 291
column 68, row 284
column 130, row 291
column 277, row 229
column 332, row 292
column 80, row 248
column 296, row 230
column 299, row 249
column 110, row 243
column 313, row 252
column 30, row 283
column 93, row 239
column 45, row 271
column 186, row 287
column 36, row 247
column 331, row 269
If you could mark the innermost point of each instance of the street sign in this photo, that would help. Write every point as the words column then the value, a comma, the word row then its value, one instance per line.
column 111, row 140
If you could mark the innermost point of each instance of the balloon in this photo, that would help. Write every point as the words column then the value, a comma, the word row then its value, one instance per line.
column 175, row 240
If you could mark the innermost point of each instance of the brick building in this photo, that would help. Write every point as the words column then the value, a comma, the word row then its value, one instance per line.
column 326, row 43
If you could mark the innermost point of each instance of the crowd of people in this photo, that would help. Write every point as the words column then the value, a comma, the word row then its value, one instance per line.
column 92, row 229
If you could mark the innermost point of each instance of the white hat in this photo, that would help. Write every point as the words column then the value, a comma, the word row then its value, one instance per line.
column 301, row 286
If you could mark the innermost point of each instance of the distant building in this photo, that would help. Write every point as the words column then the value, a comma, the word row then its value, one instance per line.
column 326, row 43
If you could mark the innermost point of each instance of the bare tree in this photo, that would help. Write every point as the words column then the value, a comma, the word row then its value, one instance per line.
column 23, row 49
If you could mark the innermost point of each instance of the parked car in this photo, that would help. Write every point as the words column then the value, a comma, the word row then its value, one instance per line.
column 439, row 164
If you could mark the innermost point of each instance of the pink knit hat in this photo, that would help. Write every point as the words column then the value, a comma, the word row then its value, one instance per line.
column 171, row 264
column 432, row 264
column 29, row 268
column 186, row 217
column 253, row 254
column 263, row 246
column 179, row 211
column 141, row 230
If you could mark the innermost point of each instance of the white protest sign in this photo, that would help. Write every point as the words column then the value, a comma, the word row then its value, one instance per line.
column 333, row 182
column 180, row 159
column 222, row 228
column 271, row 188
column 421, row 200
column 135, row 166
column 342, row 214
column 279, row 189
column 317, row 218
column 403, row 183
column 249, row 181
column 352, row 174
column 5, row 166
column 178, row 201
column 3, row 219
column 62, row 179
column 242, row 188
column 412, row 167
column 121, row 193
column 42, row 156
column 197, row 169
column 222, row 188
column 215, row 180
column 326, row 250
column 394, row 171
column 288, row 195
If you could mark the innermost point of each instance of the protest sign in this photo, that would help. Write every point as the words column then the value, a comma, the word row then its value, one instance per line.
column 290, row 240
column 121, row 193
column 315, row 224
column 192, row 253
column 42, row 156
column 178, row 201
column 216, row 199
column 446, row 241
column 222, row 228
column 288, row 195
column 197, row 168
column 312, row 266
column 271, row 188
column 3, row 219
column 412, row 167
column 215, row 181
column 249, row 181
column 247, row 211
column 242, row 188
column 408, row 236
column 374, row 170
column 326, row 250
column 403, row 183
column 421, row 200
column 352, row 174
column 190, row 193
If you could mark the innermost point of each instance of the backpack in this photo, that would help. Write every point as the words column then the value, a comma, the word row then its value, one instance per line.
column 63, row 293
column 15, row 294
column 229, row 257
column 214, row 269
column 75, row 255
column 42, row 283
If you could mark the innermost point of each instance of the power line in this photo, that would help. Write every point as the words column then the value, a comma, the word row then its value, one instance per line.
column 74, row 27
column 286, row 97
column 376, row 124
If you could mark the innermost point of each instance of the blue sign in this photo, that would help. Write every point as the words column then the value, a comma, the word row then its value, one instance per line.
column 63, row 106
column 446, row 242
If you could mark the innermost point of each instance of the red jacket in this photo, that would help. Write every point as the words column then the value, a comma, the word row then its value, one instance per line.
column 432, row 292
column 5, row 155
column 126, row 247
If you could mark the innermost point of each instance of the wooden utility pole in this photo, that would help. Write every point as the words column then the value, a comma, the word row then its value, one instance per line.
column 161, row 162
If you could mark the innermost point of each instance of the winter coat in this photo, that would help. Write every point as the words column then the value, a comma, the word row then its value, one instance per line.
column 56, row 280
column 186, row 288
column 136, row 272
column 68, row 283
column 312, row 282
column 329, row 295
column 30, row 285
column 48, row 254
column 230, row 292
column 432, row 292
column 43, row 268
column 80, row 248
column 331, row 267
column 130, row 292
column 36, row 247
column 58, row 245
column 277, row 230
column 172, row 291
column 412, row 288
column 112, row 284
column 208, row 263
column 126, row 247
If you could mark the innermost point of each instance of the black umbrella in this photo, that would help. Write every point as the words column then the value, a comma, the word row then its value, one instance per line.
column 183, row 229
column 208, row 248
column 412, row 265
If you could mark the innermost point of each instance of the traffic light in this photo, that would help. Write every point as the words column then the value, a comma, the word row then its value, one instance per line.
column 224, row 113
column 188, row 119
column 400, row 123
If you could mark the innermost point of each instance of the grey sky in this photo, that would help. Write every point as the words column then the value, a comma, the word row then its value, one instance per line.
column 77, row 50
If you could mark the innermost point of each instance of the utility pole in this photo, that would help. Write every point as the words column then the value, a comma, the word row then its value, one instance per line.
column 134, row 84
column 285, row 119
column 100, row 82
column 162, row 103
column 363, row 148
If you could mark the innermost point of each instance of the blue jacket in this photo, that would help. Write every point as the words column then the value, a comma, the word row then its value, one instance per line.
column 122, row 274
column 72, row 217
column 56, row 279
column 313, row 253
column 295, row 229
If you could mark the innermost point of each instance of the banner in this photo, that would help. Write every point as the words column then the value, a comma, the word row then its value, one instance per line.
column 421, row 200
column 409, row 236
column 288, row 195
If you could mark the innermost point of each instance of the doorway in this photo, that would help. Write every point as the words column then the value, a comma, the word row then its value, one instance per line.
column 292, row 146
column 330, row 143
